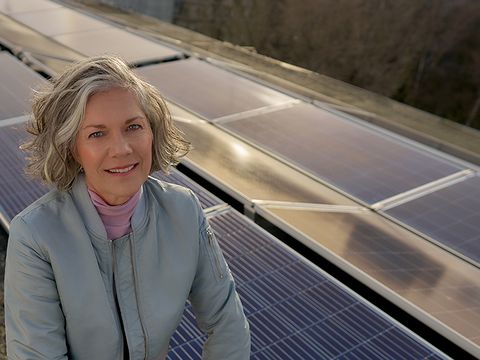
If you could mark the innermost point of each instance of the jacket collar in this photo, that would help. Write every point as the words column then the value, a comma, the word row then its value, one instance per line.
column 89, row 214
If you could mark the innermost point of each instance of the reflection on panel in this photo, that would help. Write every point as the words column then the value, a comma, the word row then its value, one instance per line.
column 206, row 198
column 295, row 310
column 443, row 286
column 58, row 21
column 113, row 41
column 367, row 165
column 46, row 50
column 17, row 190
column 246, row 173
column 208, row 90
column 17, row 6
column 16, row 83
column 450, row 216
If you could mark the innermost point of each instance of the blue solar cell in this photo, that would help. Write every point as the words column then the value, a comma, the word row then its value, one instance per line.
column 294, row 310
column 450, row 216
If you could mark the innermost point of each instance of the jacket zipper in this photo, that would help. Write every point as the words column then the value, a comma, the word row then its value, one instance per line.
column 211, row 242
column 135, row 280
column 115, row 295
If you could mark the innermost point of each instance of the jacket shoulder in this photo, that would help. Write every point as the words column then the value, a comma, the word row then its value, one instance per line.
column 173, row 196
column 45, row 216
column 169, row 190
column 50, row 202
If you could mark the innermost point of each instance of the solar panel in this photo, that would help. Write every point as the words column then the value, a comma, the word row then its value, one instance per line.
column 365, row 164
column 209, row 91
column 450, row 216
column 46, row 50
column 113, row 41
column 58, row 21
column 206, row 198
column 295, row 310
column 16, row 84
column 17, row 190
column 246, row 173
column 17, row 6
column 431, row 284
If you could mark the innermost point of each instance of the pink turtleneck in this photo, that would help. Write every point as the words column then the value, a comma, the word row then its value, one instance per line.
column 116, row 219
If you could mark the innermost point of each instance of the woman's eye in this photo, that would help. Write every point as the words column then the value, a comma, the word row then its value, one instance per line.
column 134, row 127
column 95, row 134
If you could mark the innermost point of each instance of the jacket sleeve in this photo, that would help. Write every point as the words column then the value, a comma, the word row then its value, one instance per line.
column 34, row 321
column 216, row 304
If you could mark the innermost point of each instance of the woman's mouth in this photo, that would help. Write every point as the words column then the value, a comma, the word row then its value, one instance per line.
column 121, row 170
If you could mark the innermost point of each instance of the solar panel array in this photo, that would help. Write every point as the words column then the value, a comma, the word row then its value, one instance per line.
column 365, row 164
column 295, row 310
column 83, row 33
column 414, row 274
column 246, row 173
column 210, row 91
column 360, row 162
column 273, row 283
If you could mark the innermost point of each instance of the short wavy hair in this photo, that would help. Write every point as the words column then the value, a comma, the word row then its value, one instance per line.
column 59, row 109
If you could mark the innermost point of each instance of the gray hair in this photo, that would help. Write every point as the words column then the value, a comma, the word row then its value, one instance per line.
column 59, row 109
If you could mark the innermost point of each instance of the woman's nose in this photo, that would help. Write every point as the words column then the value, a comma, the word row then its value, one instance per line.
column 120, row 146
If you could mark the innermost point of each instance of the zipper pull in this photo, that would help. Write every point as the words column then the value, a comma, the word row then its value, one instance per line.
column 210, row 236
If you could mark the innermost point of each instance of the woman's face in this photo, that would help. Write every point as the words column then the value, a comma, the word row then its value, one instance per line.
column 114, row 145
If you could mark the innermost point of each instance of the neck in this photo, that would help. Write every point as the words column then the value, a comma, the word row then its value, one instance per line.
column 115, row 218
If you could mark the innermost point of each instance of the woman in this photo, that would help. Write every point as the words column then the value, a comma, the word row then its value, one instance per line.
column 101, row 267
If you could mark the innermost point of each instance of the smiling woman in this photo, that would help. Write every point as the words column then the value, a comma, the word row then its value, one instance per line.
column 101, row 267
column 114, row 145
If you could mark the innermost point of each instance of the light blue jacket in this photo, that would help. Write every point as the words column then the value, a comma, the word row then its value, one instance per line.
column 62, row 271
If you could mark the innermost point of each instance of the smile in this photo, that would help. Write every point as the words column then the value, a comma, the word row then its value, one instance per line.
column 121, row 170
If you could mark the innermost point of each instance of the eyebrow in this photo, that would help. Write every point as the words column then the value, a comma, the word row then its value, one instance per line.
column 101, row 126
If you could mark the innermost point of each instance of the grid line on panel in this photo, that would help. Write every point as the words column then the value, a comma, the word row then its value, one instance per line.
column 309, row 318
